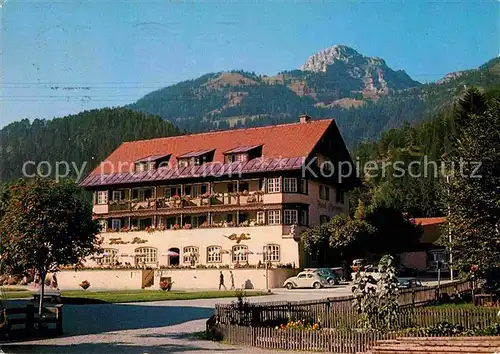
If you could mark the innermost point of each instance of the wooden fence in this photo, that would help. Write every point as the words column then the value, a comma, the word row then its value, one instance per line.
column 22, row 321
column 349, row 339
column 331, row 312
column 322, row 340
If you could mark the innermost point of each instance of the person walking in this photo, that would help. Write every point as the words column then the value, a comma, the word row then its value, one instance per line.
column 221, row 281
column 232, row 279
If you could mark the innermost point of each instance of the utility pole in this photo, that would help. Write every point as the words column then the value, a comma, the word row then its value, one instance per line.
column 449, row 231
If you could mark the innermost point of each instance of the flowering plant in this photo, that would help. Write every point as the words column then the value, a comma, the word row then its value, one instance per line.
column 186, row 226
column 300, row 325
column 165, row 285
column 85, row 284
column 175, row 227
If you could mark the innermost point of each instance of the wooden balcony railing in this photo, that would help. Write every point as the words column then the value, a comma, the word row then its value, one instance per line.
column 187, row 202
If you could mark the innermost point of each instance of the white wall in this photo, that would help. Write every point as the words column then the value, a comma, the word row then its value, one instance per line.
column 203, row 238
column 183, row 278
column 100, row 279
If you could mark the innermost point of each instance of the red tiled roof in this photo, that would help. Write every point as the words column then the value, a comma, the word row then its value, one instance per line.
column 206, row 170
column 279, row 141
column 242, row 149
column 429, row 221
column 194, row 154
column 152, row 158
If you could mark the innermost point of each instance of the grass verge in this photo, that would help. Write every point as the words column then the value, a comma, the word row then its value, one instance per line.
column 122, row 296
column 148, row 295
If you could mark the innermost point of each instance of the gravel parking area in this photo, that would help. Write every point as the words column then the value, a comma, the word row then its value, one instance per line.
column 152, row 327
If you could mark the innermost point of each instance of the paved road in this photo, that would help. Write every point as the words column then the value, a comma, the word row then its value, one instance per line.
column 153, row 327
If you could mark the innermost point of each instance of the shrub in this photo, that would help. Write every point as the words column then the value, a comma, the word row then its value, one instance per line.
column 165, row 285
column 491, row 330
column 85, row 285
column 300, row 325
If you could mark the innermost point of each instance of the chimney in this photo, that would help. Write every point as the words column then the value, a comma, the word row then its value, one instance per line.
column 304, row 118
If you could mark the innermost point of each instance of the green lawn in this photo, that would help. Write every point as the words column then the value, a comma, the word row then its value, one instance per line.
column 149, row 295
column 15, row 293
column 82, row 296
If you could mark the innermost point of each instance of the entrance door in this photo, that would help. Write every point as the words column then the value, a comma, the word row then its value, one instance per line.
column 173, row 258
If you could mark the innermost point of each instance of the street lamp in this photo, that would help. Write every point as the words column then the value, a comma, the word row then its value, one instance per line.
column 449, row 231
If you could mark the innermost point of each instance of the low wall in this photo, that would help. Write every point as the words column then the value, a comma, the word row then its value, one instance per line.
column 101, row 279
column 183, row 278
column 209, row 278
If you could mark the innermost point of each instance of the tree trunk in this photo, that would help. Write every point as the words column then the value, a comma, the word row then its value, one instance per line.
column 42, row 292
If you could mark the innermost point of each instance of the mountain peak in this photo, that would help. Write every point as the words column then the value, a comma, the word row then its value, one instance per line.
column 321, row 60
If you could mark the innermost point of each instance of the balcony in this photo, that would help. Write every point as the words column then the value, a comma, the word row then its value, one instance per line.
column 132, row 205
column 187, row 202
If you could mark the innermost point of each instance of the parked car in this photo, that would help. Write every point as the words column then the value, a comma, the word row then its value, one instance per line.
column 368, row 270
column 306, row 280
column 356, row 264
column 410, row 283
column 331, row 276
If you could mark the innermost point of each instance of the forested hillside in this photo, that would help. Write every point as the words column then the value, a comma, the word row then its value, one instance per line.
column 84, row 138
column 426, row 145
column 362, row 107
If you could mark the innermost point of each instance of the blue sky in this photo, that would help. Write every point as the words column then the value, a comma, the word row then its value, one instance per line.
column 62, row 57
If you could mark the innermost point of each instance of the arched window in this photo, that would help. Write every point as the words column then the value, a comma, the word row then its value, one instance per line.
column 108, row 257
column 240, row 253
column 190, row 253
column 145, row 255
column 271, row 253
column 214, row 254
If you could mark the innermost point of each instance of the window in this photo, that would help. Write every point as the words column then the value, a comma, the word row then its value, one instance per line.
column 150, row 166
column 116, row 224
column 340, row 196
column 190, row 254
column 244, row 186
column 170, row 191
column 183, row 163
column 229, row 159
column 323, row 219
column 324, row 192
column 214, row 254
column 261, row 218
column 142, row 194
column 195, row 190
column 289, row 184
column 117, row 195
column 274, row 185
column 240, row 254
column 108, row 257
column 274, row 217
column 290, row 216
column 303, row 217
column 102, row 197
column 103, row 225
column 140, row 167
column 241, row 157
column 145, row 255
column 303, row 186
column 272, row 253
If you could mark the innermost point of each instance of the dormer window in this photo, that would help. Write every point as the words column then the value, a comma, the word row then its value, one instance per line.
column 243, row 153
column 241, row 157
column 195, row 158
column 144, row 166
column 150, row 163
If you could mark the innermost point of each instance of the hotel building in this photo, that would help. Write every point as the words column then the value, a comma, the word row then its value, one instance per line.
column 236, row 197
